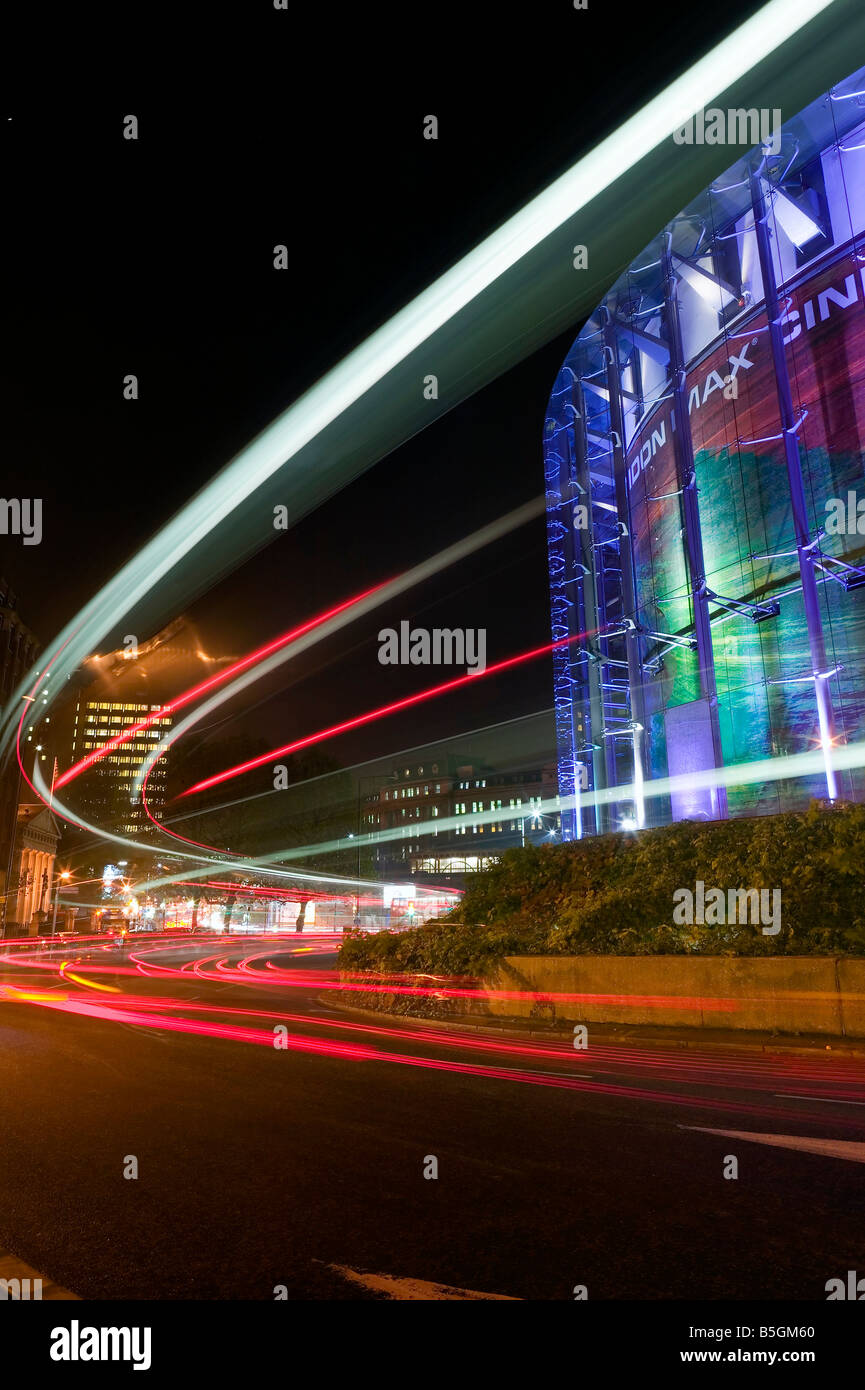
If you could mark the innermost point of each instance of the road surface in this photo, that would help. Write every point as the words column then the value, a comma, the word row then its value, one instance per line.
column 281, row 1144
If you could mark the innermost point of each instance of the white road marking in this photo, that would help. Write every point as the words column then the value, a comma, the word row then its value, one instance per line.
column 827, row 1148
column 823, row 1100
column 415, row 1290
column 13, row 1268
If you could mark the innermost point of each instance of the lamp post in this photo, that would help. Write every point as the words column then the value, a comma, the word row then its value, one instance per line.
column 62, row 877
column 532, row 816
column 13, row 832
column 356, row 922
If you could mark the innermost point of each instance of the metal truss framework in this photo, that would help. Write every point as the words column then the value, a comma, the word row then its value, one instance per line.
column 599, row 685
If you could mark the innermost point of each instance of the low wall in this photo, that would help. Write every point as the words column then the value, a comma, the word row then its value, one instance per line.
column 790, row 994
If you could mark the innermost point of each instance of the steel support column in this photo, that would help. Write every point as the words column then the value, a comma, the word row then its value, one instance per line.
column 804, row 544
column 584, row 554
column 629, row 592
column 565, row 616
column 691, row 517
column 605, row 676
column 571, row 817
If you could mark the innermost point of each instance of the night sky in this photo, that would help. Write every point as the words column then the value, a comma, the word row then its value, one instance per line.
column 155, row 257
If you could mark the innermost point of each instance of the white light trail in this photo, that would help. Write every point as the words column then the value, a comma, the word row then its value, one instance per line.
column 728, row 62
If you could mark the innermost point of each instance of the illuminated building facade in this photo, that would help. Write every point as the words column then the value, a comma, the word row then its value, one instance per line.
column 109, row 798
column 483, row 811
column 706, row 502
column 36, row 841
column 114, row 693
column 18, row 652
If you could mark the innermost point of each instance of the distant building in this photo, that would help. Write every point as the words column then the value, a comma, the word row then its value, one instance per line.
column 18, row 652
column 483, row 812
column 37, row 836
column 113, row 693
column 108, row 798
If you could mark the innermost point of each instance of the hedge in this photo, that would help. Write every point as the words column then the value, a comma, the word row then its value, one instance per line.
column 613, row 894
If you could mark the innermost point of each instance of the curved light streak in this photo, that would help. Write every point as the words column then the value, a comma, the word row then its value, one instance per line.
column 257, row 664
column 252, row 659
column 383, row 711
column 728, row 62
column 750, row 1084
column 810, row 764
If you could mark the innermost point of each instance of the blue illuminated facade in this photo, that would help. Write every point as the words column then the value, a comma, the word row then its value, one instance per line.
column 704, row 449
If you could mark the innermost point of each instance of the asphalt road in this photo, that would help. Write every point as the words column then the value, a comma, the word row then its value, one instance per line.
column 302, row 1167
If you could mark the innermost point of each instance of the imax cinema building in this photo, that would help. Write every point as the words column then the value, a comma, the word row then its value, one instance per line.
column 704, row 448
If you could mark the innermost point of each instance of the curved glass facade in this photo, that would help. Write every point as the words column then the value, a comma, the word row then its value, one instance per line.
column 704, row 450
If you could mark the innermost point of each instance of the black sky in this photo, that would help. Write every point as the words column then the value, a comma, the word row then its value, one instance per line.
column 155, row 257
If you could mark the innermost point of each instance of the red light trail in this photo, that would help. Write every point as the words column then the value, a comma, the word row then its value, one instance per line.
column 641, row 1074
column 221, row 676
column 381, row 713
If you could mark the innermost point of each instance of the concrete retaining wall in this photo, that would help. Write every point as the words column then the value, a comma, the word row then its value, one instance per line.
column 793, row 994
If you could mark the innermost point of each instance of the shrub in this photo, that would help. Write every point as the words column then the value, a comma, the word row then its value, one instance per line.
column 613, row 894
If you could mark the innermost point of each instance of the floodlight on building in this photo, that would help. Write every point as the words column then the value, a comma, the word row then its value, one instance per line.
column 707, row 285
column 795, row 220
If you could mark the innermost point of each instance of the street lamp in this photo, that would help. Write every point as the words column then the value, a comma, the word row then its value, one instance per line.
column 533, row 816
column 62, row 877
